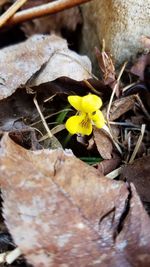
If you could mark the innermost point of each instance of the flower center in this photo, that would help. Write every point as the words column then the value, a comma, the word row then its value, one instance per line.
column 85, row 123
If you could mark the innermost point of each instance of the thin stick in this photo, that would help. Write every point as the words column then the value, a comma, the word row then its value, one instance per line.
column 42, row 118
column 91, row 87
column 10, row 256
column 2, row 257
column 13, row 255
column 114, row 173
column 138, row 143
column 11, row 11
column 43, row 10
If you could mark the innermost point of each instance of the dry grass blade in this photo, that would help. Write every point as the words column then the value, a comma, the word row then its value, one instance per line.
column 55, row 130
column 114, row 91
column 107, row 129
column 42, row 118
column 114, row 173
column 110, row 103
column 91, row 87
column 43, row 10
column 138, row 143
column 11, row 11
column 142, row 107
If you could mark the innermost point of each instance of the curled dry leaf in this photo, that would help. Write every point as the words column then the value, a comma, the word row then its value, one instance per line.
column 120, row 106
column 20, row 62
column 103, row 143
column 106, row 66
column 108, row 165
column 63, row 63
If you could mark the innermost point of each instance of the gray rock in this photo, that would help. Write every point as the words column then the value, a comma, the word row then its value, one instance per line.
column 121, row 23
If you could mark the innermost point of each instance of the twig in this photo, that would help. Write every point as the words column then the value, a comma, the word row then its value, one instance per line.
column 114, row 173
column 42, row 118
column 43, row 10
column 13, row 255
column 10, row 256
column 138, row 143
column 2, row 257
column 11, row 11
column 91, row 87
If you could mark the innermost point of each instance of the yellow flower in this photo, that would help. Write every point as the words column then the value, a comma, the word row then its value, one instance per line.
column 88, row 113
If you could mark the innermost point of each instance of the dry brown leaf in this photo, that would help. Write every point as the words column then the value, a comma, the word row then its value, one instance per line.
column 63, row 62
column 136, row 248
column 108, row 165
column 139, row 67
column 20, row 62
column 60, row 212
column 138, row 173
column 120, row 106
column 52, row 198
column 103, row 143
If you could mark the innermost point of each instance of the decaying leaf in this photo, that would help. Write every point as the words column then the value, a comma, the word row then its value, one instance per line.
column 61, row 213
column 63, row 63
column 121, row 106
column 20, row 62
column 138, row 173
column 15, row 110
column 136, row 248
column 50, row 188
column 103, row 143
column 108, row 165
column 139, row 67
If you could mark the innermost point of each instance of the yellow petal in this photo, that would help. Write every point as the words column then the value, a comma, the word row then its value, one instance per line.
column 90, row 103
column 80, row 124
column 75, row 101
column 97, row 118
